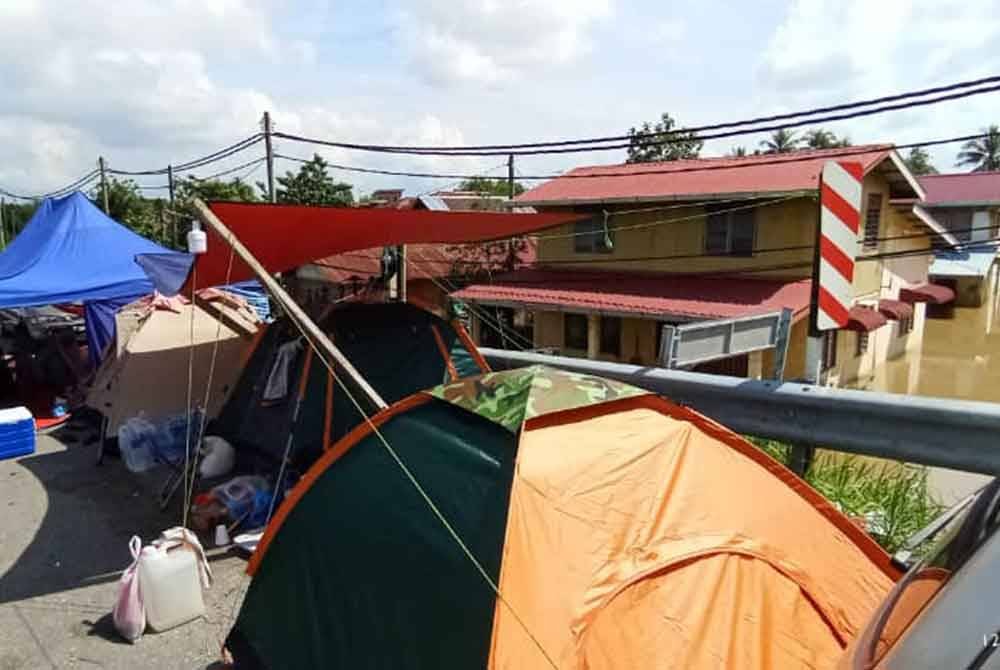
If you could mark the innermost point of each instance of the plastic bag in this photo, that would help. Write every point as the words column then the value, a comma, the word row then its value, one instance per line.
column 247, row 498
column 136, row 442
column 218, row 457
column 129, row 614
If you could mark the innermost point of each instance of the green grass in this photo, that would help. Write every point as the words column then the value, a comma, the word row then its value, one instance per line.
column 893, row 498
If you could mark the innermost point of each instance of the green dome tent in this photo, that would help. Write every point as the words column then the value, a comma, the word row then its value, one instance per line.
column 399, row 348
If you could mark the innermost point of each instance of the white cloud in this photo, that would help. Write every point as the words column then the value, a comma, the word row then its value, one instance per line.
column 825, row 53
column 495, row 42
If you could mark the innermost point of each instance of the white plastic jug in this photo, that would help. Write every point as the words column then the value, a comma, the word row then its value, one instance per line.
column 170, row 585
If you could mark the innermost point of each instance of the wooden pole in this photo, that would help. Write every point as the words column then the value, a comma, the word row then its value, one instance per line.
column 317, row 338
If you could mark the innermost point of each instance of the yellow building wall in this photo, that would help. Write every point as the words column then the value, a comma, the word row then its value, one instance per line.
column 648, row 234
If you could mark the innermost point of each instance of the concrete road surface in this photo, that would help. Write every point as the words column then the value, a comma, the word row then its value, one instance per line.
column 64, row 530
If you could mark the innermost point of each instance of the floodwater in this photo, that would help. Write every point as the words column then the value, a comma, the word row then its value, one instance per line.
column 959, row 358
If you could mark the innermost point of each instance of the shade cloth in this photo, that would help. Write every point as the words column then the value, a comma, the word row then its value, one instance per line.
column 896, row 310
column 932, row 293
column 307, row 233
column 864, row 319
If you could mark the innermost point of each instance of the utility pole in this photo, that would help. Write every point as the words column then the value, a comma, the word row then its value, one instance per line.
column 510, row 176
column 511, row 259
column 104, row 184
column 3, row 227
column 173, row 216
column 272, row 196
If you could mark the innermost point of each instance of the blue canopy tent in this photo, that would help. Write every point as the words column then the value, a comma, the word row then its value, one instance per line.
column 70, row 251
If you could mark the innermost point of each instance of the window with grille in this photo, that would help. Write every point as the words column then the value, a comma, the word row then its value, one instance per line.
column 829, row 349
column 730, row 233
column 873, row 219
column 575, row 331
column 861, row 346
column 611, row 335
column 590, row 237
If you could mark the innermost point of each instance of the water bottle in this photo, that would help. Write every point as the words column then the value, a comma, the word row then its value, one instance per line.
column 135, row 441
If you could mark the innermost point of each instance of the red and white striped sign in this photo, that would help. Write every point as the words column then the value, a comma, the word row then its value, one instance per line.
column 839, row 218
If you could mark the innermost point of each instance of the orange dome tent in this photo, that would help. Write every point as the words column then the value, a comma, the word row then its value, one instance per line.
column 622, row 530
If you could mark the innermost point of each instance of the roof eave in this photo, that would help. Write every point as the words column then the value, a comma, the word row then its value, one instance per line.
column 962, row 203
column 900, row 165
column 927, row 219
column 685, row 197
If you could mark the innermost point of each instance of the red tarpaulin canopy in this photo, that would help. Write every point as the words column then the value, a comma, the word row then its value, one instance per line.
column 283, row 237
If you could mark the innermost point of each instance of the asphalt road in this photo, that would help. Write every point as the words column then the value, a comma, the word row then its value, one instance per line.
column 65, row 524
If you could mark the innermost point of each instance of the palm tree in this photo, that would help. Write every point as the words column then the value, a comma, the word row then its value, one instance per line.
column 820, row 138
column 983, row 153
column 781, row 141
column 738, row 151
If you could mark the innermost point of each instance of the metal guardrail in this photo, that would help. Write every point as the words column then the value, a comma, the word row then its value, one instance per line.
column 958, row 434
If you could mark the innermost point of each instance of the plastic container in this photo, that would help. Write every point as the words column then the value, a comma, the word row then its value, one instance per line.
column 17, row 432
column 171, row 437
column 170, row 586
column 136, row 442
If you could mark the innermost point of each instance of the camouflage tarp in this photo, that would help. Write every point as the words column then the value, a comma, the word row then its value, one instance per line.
column 511, row 397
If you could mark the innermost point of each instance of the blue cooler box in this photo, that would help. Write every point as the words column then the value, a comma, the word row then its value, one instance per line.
column 17, row 432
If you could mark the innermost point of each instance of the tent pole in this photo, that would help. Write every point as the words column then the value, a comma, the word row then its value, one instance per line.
column 317, row 338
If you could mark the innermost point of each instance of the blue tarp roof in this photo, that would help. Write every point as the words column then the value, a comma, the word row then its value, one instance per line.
column 962, row 263
column 70, row 251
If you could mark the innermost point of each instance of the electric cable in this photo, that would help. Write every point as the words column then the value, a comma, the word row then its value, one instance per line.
column 562, row 149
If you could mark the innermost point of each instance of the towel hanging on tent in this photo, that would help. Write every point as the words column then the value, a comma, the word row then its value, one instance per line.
column 277, row 380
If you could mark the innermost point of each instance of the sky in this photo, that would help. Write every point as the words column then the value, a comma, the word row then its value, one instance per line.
column 163, row 81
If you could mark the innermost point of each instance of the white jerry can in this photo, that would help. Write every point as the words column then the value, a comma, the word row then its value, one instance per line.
column 170, row 585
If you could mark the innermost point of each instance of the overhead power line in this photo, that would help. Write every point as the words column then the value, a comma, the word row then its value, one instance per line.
column 81, row 182
column 213, row 157
column 705, row 164
column 599, row 144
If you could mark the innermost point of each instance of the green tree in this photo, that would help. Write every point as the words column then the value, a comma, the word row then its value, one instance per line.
column 487, row 186
column 919, row 162
column 820, row 138
column 189, row 188
column 781, row 141
column 982, row 154
column 127, row 206
column 312, row 185
column 677, row 144
column 15, row 216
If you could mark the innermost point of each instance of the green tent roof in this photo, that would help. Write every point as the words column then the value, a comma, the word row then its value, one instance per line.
column 511, row 397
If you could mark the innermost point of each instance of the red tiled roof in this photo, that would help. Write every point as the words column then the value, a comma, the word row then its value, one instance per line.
column 766, row 173
column 642, row 293
column 943, row 189
column 424, row 261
